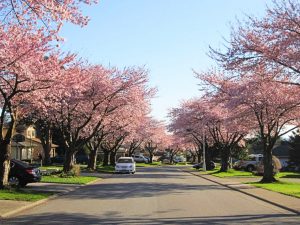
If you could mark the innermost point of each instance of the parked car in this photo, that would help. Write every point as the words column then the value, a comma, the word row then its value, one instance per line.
column 164, row 159
column 59, row 159
column 291, row 167
column 82, row 159
column 22, row 173
column 209, row 166
column 140, row 159
column 249, row 164
column 125, row 165
column 178, row 159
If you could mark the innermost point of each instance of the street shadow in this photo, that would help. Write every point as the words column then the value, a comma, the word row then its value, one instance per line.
column 151, row 176
column 135, row 190
column 71, row 219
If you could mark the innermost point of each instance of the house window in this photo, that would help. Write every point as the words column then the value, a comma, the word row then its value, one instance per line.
column 26, row 153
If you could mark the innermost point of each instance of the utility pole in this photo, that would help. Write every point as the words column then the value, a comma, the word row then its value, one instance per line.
column 204, row 161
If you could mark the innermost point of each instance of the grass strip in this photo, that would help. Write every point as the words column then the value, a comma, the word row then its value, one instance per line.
column 153, row 164
column 68, row 180
column 230, row 173
column 23, row 195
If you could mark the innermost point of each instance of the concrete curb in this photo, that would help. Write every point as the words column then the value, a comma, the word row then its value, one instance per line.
column 42, row 201
column 246, row 193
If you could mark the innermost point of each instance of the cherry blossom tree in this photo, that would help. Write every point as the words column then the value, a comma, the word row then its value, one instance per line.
column 125, row 124
column 156, row 137
column 269, row 105
column 48, row 13
column 84, row 97
column 210, row 125
column 272, row 41
column 26, row 66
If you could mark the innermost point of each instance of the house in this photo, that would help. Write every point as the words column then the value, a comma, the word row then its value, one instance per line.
column 26, row 146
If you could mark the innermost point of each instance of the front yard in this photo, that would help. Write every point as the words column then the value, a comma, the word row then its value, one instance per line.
column 287, row 187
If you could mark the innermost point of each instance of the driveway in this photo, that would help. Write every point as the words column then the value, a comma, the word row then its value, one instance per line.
column 163, row 195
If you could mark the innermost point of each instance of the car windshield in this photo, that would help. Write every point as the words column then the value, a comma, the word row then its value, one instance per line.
column 125, row 161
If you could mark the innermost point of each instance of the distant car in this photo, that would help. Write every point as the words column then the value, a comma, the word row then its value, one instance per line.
column 125, row 165
column 59, row 159
column 165, row 159
column 22, row 173
column 209, row 166
column 178, row 159
column 140, row 159
column 82, row 159
column 148, row 158
column 249, row 164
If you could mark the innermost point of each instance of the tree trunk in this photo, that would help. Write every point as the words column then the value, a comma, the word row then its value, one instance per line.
column 47, row 150
column 268, row 176
column 225, row 153
column 92, row 165
column 151, row 157
column 193, row 158
column 199, row 157
column 69, row 161
column 105, row 158
column 112, row 158
column 172, row 158
column 4, row 163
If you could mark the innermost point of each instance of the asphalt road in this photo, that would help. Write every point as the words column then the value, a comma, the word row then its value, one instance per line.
column 155, row 196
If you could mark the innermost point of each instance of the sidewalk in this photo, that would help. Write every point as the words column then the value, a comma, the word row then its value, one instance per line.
column 289, row 203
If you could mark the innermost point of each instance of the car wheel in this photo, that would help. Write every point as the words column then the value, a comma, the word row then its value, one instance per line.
column 250, row 168
column 14, row 181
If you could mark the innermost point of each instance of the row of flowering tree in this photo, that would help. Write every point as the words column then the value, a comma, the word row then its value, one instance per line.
column 255, row 89
column 88, row 105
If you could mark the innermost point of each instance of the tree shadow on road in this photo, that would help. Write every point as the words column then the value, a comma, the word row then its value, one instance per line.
column 136, row 190
column 71, row 219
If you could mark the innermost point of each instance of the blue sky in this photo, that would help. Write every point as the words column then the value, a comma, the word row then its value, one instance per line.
column 168, row 37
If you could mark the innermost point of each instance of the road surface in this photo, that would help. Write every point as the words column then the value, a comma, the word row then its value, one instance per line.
column 155, row 196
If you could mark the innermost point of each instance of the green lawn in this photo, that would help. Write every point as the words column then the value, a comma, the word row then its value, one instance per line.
column 287, row 188
column 67, row 180
column 105, row 169
column 153, row 164
column 232, row 173
column 22, row 195
column 229, row 173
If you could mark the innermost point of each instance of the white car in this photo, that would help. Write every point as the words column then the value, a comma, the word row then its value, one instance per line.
column 249, row 164
column 125, row 165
